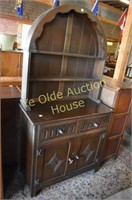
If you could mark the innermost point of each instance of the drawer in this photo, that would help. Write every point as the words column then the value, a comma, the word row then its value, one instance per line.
column 94, row 123
column 46, row 133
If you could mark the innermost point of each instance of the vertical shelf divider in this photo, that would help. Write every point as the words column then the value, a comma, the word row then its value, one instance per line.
column 66, row 49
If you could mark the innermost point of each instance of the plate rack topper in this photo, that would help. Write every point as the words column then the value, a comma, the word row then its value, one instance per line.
column 65, row 48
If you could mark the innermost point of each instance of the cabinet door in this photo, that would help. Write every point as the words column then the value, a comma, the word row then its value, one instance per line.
column 51, row 161
column 11, row 64
column 85, row 152
column 90, row 150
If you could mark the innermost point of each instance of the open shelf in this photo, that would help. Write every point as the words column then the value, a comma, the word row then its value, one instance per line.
column 60, row 78
column 71, row 61
column 65, row 54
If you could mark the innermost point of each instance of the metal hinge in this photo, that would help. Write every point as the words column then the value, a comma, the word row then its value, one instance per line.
column 37, row 181
column 103, row 136
column 97, row 160
column 39, row 152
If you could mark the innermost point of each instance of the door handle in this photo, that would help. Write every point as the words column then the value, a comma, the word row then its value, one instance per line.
column 60, row 132
column 70, row 161
column 77, row 157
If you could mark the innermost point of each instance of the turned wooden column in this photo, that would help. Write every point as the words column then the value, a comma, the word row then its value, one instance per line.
column 125, row 47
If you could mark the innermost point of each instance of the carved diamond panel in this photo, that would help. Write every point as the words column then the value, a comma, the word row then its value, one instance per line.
column 55, row 162
column 87, row 153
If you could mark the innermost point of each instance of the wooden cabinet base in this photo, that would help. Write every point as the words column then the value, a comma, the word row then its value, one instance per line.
column 59, row 149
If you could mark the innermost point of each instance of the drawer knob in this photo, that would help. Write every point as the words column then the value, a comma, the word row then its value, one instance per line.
column 77, row 157
column 95, row 124
column 70, row 161
column 60, row 131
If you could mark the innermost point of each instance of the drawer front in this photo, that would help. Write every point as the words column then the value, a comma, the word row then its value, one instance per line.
column 94, row 123
column 46, row 133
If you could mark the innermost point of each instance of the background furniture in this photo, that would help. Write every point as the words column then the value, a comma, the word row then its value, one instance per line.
column 129, row 121
column 109, row 69
column 64, row 129
column 11, row 68
column 110, row 65
column 117, row 95
column 10, row 132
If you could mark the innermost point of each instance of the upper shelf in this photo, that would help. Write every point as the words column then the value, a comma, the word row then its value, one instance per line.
column 60, row 78
column 66, row 54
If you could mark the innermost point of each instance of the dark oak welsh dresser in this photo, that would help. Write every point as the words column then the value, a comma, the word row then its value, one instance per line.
column 64, row 123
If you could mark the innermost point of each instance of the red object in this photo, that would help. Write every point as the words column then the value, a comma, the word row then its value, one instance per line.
column 121, row 22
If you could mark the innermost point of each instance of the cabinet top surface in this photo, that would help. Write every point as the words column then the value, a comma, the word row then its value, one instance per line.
column 117, row 84
column 43, row 113
column 12, row 51
column 9, row 92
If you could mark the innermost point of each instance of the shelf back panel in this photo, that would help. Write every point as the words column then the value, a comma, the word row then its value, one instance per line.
column 76, row 27
column 53, row 34
column 52, row 65
column 44, row 65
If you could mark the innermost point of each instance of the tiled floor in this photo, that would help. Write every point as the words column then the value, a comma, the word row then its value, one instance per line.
column 125, row 194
